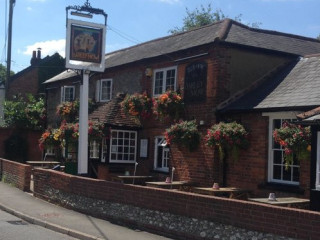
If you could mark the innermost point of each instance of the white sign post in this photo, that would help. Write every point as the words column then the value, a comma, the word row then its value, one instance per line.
column 85, row 49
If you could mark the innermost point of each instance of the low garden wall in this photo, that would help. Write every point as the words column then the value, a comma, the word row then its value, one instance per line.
column 16, row 174
column 170, row 212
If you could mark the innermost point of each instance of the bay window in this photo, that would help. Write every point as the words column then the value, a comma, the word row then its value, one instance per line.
column 123, row 146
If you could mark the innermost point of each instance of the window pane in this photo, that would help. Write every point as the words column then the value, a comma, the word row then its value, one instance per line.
column 158, row 83
column 106, row 90
column 277, row 172
column 170, row 79
column 277, row 156
column 287, row 174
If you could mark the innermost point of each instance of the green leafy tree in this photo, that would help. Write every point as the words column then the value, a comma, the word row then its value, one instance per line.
column 204, row 16
column 3, row 74
column 22, row 113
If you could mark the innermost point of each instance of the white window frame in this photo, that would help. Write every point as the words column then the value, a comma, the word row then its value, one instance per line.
column 114, row 147
column 63, row 93
column 99, row 90
column 50, row 151
column 94, row 149
column 272, row 117
column 164, row 85
column 161, row 142
column 104, row 150
column 317, row 185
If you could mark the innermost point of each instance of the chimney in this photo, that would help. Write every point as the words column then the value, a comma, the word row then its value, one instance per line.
column 33, row 59
column 39, row 54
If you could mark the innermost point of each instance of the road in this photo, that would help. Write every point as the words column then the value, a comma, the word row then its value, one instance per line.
column 13, row 228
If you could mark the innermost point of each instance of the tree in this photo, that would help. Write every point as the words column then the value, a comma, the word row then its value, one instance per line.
column 3, row 74
column 204, row 16
column 22, row 113
column 318, row 37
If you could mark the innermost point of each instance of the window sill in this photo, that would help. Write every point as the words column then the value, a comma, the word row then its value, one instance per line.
column 282, row 187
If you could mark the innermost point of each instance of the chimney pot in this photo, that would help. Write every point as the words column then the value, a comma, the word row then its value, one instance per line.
column 34, row 58
column 39, row 53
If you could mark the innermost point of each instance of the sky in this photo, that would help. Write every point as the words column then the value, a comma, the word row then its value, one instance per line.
column 42, row 23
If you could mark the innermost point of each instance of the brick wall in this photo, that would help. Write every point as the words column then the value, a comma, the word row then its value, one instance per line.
column 258, row 217
column 24, row 83
column 16, row 174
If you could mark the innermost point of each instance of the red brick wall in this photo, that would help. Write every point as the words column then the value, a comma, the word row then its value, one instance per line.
column 283, row 221
column 26, row 83
column 17, row 174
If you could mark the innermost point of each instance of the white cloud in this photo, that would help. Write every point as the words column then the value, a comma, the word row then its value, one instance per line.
column 47, row 47
column 29, row 8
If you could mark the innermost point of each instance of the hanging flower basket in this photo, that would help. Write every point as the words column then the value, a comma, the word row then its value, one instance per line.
column 48, row 138
column 68, row 111
column 137, row 105
column 295, row 140
column 70, row 132
column 169, row 104
column 184, row 133
column 228, row 137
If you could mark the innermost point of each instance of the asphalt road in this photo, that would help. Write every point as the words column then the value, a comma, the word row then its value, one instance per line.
column 13, row 228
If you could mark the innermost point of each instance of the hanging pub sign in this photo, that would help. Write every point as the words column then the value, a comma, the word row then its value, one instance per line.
column 85, row 45
column 195, row 83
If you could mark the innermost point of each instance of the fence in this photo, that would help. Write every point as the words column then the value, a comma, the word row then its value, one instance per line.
column 133, row 204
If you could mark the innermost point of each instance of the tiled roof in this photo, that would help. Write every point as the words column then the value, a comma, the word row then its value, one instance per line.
column 227, row 31
column 296, row 87
column 111, row 113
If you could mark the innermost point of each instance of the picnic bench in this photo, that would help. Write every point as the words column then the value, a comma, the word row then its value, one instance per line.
column 43, row 164
column 230, row 192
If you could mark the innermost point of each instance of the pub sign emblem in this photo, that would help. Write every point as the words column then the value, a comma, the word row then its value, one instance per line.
column 85, row 44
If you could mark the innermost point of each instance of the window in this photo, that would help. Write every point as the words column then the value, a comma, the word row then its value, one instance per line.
column 318, row 163
column 50, row 151
column 161, row 155
column 67, row 93
column 277, row 170
column 164, row 79
column 104, row 90
column 104, row 150
column 123, row 146
column 94, row 149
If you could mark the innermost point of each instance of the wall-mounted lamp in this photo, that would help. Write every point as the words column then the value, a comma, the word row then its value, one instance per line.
column 80, row 14
column 148, row 72
column 201, row 123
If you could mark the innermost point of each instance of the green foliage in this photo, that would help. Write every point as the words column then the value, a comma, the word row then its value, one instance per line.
column 184, row 133
column 25, row 113
column 295, row 140
column 3, row 73
column 205, row 16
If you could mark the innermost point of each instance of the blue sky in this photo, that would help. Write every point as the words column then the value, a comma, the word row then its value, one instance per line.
column 41, row 23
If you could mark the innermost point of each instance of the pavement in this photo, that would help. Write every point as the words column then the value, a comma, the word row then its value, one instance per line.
column 37, row 211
